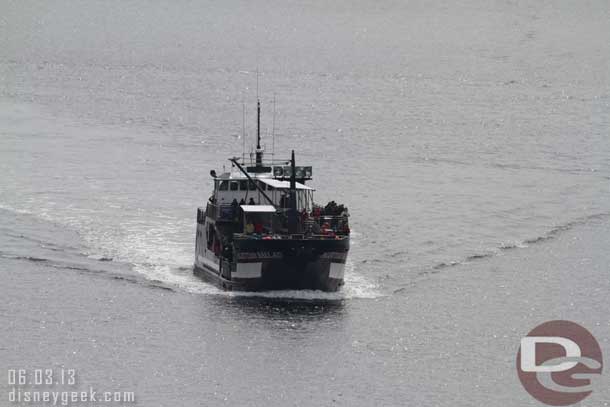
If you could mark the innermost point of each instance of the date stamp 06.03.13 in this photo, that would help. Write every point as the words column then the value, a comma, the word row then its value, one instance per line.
column 58, row 387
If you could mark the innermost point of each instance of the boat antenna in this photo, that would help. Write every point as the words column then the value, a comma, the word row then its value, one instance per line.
column 292, row 199
column 259, row 150
column 243, row 131
column 273, row 132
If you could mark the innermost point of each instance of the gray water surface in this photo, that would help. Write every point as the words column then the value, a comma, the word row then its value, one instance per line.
column 470, row 143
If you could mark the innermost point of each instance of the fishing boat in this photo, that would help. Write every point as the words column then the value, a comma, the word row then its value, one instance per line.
column 261, row 229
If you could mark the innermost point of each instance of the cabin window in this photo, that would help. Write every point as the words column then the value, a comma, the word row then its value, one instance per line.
column 223, row 186
column 243, row 185
column 234, row 185
column 251, row 186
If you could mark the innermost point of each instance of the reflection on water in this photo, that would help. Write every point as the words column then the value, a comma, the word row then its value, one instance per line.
column 278, row 314
column 286, row 308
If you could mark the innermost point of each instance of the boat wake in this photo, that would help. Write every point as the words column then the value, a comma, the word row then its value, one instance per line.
column 161, row 265
column 356, row 286
column 155, row 261
column 497, row 251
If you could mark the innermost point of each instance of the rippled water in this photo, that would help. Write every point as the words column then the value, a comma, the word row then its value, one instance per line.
column 454, row 133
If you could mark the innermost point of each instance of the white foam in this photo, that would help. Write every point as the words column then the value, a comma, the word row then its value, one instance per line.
column 157, row 254
column 180, row 278
column 356, row 285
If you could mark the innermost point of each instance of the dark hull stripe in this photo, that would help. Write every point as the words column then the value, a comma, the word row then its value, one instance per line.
column 324, row 276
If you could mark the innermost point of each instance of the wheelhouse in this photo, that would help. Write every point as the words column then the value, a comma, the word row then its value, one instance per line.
column 233, row 186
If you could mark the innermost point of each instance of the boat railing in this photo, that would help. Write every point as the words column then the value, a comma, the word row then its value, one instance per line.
column 220, row 211
column 327, row 224
column 284, row 236
column 266, row 162
column 332, row 220
column 338, row 224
